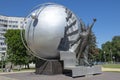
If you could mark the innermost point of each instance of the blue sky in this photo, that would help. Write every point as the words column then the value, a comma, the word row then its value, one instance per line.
column 107, row 13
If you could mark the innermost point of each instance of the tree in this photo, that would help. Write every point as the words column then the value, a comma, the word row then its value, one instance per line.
column 93, row 50
column 112, row 49
column 116, row 47
column 17, row 53
column 107, row 48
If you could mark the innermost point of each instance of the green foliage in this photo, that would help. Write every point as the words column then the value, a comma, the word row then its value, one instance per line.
column 116, row 47
column 112, row 49
column 93, row 50
column 16, row 51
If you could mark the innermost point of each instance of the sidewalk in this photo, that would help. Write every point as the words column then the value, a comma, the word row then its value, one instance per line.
column 103, row 69
column 29, row 75
column 17, row 72
column 6, row 78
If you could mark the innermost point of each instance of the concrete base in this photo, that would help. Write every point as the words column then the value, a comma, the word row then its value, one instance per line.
column 48, row 67
column 85, row 71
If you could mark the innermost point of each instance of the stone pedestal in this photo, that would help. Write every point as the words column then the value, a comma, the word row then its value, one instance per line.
column 84, row 70
column 48, row 67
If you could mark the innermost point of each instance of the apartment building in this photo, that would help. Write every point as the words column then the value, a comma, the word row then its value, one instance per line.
column 6, row 23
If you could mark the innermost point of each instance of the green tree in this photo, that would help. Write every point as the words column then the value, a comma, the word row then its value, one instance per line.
column 107, row 47
column 116, row 47
column 93, row 50
column 112, row 49
column 16, row 51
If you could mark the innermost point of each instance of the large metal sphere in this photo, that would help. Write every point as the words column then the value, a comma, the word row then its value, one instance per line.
column 45, row 28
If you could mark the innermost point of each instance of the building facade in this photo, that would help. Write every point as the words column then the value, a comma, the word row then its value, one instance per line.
column 6, row 23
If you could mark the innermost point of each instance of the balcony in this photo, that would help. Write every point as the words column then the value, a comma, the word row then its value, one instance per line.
column 2, row 27
column 3, row 32
column 3, row 46
column 3, row 51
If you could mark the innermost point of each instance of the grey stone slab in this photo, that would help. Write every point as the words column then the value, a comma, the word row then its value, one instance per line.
column 66, row 55
column 84, row 70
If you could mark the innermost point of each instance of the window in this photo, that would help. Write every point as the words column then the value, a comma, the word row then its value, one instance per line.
column 2, row 49
column 5, row 25
column 9, row 25
column 2, row 38
column 15, row 26
column 13, row 21
column 2, row 20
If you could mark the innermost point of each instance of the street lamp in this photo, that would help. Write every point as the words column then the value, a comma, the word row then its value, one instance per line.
column 104, row 56
column 113, row 59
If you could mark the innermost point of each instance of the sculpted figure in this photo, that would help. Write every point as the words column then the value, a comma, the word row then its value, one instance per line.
column 83, row 41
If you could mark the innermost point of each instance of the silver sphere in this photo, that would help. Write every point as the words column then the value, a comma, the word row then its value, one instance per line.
column 45, row 28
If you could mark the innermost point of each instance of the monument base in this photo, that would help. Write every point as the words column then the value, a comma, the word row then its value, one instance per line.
column 48, row 67
column 86, row 70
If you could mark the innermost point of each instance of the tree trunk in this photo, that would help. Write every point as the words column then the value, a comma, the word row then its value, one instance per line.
column 28, row 66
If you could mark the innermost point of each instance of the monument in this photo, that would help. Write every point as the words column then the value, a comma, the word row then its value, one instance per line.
column 59, row 40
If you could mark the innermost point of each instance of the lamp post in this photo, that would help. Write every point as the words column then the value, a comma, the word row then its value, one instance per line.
column 104, row 56
column 113, row 59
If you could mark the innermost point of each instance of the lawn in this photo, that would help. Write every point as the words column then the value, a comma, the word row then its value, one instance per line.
column 111, row 65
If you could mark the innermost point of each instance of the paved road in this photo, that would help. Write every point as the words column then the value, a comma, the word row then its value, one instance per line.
column 32, row 76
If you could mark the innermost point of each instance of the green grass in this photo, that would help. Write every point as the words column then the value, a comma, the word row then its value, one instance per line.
column 113, row 71
column 111, row 65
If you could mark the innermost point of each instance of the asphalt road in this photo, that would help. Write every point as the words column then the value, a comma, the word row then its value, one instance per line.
column 33, row 76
